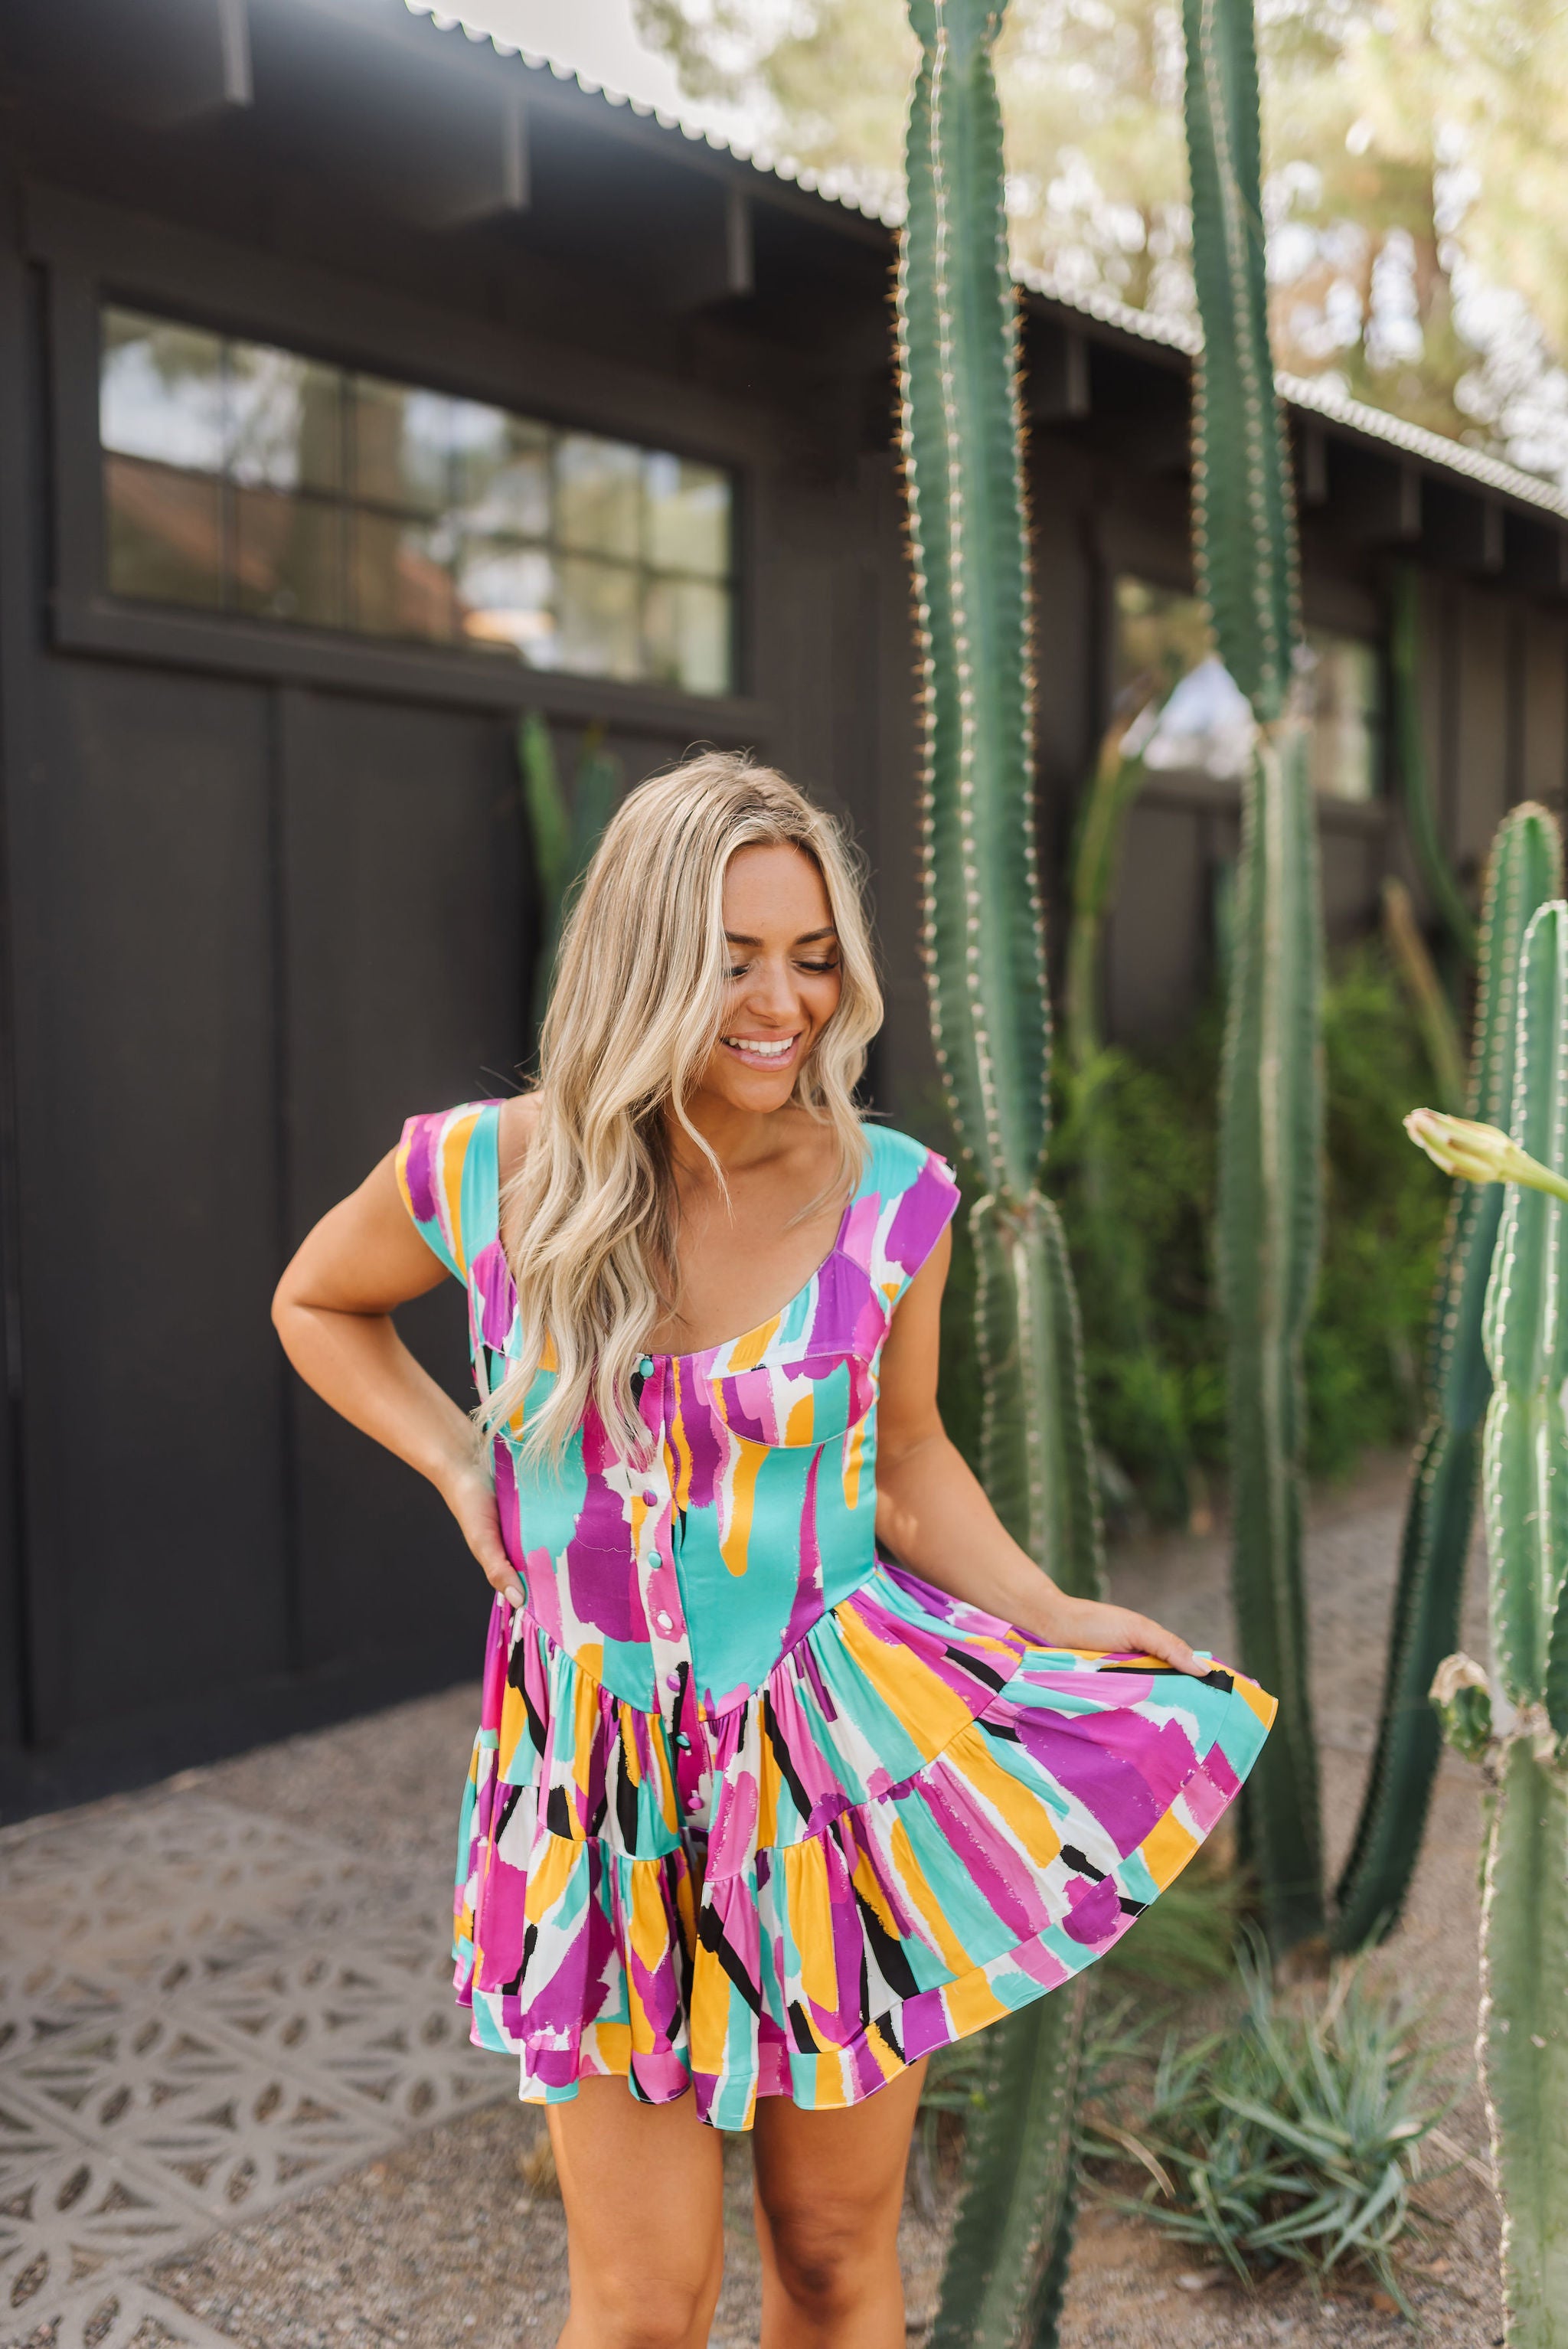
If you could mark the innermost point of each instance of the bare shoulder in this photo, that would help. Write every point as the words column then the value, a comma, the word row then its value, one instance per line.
column 515, row 1132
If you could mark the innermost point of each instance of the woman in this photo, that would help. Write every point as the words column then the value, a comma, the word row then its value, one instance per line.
column 791, row 1764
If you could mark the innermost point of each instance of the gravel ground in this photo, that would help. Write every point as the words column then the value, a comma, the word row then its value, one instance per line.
column 445, row 2242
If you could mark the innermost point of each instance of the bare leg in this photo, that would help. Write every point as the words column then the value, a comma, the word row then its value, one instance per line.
column 642, row 2185
column 830, row 2187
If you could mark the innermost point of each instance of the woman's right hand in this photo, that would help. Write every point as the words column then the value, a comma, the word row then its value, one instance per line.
column 470, row 1496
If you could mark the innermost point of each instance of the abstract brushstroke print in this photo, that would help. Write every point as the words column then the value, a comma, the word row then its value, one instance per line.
column 751, row 1809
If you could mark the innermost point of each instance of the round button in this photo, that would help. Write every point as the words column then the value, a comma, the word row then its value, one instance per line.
column 663, row 1621
column 650, row 1500
column 683, row 1741
column 694, row 1802
column 673, row 1681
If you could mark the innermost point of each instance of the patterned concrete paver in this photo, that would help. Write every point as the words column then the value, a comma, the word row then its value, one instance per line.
column 204, row 2013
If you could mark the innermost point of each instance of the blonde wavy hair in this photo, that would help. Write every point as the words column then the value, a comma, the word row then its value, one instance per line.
column 589, row 1219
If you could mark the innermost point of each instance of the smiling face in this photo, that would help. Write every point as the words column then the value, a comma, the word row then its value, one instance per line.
column 784, row 977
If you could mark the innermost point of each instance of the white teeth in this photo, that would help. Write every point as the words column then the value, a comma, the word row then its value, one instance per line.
column 763, row 1051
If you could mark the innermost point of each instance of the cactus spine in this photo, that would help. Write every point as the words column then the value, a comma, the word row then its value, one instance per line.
column 1524, row 2031
column 985, row 975
column 1524, row 870
column 1271, row 1111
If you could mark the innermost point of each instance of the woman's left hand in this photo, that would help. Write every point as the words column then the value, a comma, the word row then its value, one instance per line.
column 1066, row 1622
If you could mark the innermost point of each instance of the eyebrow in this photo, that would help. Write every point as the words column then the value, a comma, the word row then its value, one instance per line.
column 806, row 939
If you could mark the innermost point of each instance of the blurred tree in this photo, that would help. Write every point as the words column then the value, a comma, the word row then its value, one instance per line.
column 1417, row 185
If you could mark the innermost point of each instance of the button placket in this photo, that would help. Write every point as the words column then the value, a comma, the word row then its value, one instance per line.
column 662, row 1611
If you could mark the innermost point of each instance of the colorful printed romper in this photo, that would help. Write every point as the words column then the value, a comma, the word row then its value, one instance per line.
column 751, row 1808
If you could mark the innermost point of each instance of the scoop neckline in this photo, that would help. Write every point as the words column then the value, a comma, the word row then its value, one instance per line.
column 724, row 1344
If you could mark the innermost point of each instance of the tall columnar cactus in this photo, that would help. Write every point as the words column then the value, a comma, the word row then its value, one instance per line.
column 985, row 970
column 1526, row 869
column 1520, row 1729
column 1271, row 1113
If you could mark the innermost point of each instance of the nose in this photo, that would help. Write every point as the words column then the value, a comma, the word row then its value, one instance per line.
column 773, row 993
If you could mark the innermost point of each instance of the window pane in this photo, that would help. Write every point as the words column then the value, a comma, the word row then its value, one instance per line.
column 506, row 597
column 286, row 421
column 401, row 585
column 1346, row 729
column 599, row 496
column 688, row 635
column 165, row 533
column 501, row 482
column 288, row 557
column 598, row 633
column 161, row 391
column 687, row 516
column 402, row 445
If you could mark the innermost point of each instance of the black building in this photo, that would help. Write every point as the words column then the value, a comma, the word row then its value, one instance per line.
column 361, row 389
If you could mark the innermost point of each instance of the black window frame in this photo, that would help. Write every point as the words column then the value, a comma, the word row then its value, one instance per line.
column 92, row 257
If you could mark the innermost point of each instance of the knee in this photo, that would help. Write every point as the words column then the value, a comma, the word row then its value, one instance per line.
column 646, row 2312
column 827, row 2260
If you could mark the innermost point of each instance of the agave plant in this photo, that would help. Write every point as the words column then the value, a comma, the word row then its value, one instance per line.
column 1519, row 1725
column 1270, row 1120
column 986, row 972
column 1524, row 870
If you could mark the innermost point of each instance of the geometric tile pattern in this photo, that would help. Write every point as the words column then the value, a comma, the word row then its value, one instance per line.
column 202, row 2013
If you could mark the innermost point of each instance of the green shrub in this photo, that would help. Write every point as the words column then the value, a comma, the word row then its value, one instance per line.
column 1285, row 2136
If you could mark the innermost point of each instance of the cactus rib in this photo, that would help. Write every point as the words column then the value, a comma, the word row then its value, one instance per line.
column 1526, row 868
column 1523, row 2038
column 983, row 946
column 1271, row 1121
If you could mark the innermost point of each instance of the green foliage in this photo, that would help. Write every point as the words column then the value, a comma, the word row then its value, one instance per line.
column 1358, row 100
column 1154, row 1116
column 1288, row 2135
column 563, row 832
column 1526, row 868
column 1187, row 1940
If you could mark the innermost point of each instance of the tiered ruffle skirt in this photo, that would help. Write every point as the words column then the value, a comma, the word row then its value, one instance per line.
column 922, row 1819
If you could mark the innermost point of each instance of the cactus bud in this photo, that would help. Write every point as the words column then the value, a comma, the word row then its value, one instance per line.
column 1479, row 1153
column 1463, row 1700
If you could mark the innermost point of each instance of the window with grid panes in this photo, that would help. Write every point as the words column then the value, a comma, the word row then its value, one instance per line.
column 242, row 478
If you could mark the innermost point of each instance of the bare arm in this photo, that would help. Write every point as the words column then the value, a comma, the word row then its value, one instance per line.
column 934, row 1515
column 333, row 1310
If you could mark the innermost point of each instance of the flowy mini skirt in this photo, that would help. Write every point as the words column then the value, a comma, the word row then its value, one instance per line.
column 921, row 1820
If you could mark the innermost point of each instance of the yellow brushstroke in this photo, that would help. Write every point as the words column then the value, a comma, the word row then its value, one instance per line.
column 1166, row 1849
column 710, row 2025
column 931, row 1711
column 747, row 1351
column 454, row 1150
column 971, row 2003
column 797, row 1426
column 736, row 1536
column 549, row 1875
column 1021, row 1812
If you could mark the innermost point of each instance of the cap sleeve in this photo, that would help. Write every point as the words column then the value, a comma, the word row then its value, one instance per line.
column 447, row 1173
column 920, row 1194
